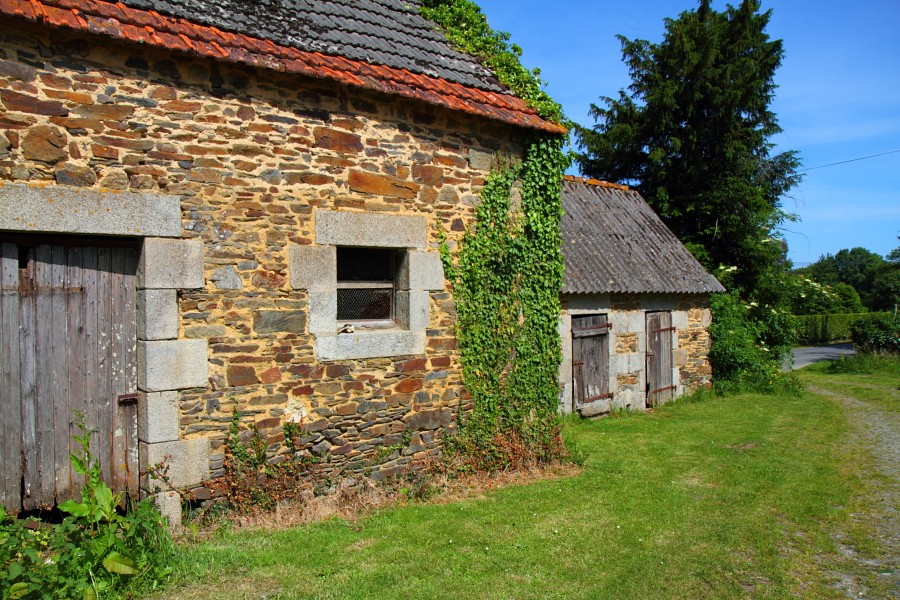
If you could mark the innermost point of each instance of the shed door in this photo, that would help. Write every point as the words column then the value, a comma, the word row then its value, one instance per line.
column 67, row 344
column 590, row 363
column 660, row 387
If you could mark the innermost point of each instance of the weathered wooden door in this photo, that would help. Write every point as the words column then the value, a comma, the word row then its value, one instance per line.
column 660, row 387
column 590, row 364
column 67, row 345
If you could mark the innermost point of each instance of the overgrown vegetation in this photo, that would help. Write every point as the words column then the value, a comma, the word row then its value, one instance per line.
column 506, row 281
column 749, row 343
column 467, row 28
column 95, row 552
column 683, row 498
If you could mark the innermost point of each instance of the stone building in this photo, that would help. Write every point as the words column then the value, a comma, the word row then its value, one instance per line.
column 206, row 208
column 635, row 304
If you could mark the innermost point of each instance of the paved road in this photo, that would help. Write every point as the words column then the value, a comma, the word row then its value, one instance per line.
column 810, row 354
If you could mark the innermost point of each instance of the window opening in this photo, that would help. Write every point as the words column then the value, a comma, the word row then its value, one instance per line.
column 365, row 285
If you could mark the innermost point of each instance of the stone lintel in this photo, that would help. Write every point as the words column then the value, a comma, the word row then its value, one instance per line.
column 64, row 209
column 188, row 460
column 370, row 344
column 342, row 228
column 165, row 365
column 158, row 417
column 421, row 271
column 171, row 264
column 313, row 267
column 157, row 314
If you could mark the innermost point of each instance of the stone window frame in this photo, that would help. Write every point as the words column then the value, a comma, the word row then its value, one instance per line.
column 167, row 263
column 314, row 268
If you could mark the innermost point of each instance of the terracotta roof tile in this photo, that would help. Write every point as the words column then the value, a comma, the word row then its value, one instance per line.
column 152, row 28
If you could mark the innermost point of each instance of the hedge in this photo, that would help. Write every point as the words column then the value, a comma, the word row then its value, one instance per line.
column 877, row 333
column 825, row 329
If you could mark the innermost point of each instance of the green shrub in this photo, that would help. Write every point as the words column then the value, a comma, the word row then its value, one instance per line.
column 740, row 357
column 95, row 552
column 877, row 333
column 825, row 329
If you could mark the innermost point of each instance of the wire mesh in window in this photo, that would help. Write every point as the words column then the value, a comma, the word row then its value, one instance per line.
column 365, row 304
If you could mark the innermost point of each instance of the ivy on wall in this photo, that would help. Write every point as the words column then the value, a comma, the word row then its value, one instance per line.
column 508, row 272
column 506, row 283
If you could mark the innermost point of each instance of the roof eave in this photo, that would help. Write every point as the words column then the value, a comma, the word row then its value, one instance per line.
column 153, row 29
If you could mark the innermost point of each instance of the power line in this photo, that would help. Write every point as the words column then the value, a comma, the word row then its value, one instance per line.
column 849, row 161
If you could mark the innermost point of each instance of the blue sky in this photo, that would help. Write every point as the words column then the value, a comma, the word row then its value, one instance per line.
column 838, row 97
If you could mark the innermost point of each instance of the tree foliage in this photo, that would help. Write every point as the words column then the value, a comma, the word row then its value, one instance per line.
column 693, row 135
column 876, row 279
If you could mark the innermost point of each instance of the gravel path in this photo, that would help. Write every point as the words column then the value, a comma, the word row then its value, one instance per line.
column 881, row 430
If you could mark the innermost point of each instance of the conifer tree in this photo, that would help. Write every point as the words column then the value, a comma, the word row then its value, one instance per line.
column 693, row 134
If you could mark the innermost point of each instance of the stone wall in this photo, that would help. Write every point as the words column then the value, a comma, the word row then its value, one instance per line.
column 628, row 341
column 254, row 156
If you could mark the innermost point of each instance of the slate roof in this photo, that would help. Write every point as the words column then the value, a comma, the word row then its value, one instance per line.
column 382, row 45
column 614, row 242
column 380, row 32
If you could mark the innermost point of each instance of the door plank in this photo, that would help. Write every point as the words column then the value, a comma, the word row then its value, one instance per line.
column 45, row 395
column 128, row 360
column 89, row 345
column 10, row 386
column 103, row 394
column 75, row 351
column 30, row 459
column 58, row 363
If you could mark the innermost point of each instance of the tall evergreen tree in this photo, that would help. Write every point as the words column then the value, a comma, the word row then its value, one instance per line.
column 693, row 135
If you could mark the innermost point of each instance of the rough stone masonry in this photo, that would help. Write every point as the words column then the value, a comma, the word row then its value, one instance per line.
column 252, row 157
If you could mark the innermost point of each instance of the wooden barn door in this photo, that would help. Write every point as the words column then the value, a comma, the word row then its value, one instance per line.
column 590, row 363
column 67, row 345
column 660, row 387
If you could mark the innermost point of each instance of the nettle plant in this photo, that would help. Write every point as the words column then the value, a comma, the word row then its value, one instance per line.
column 96, row 551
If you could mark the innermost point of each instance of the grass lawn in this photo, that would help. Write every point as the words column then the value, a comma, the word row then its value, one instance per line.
column 876, row 380
column 717, row 498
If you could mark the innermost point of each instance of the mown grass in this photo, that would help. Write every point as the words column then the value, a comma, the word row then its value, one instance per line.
column 712, row 498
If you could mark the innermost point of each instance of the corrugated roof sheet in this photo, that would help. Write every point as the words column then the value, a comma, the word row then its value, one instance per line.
column 614, row 242
column 380, row 30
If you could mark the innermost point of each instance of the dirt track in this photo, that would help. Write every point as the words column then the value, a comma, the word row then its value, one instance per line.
column 877, row 429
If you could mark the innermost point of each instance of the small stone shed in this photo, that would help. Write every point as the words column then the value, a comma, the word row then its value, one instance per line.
column 196, row 199
column 635, row 304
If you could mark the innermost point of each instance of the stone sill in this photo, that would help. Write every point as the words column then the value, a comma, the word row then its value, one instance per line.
column 371, row 343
